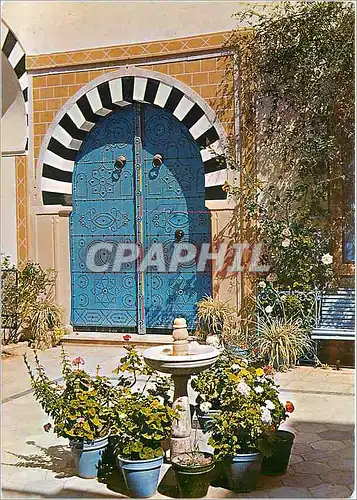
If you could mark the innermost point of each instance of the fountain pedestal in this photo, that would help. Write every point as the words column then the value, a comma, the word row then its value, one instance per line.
column 180, row 441
column 182, row 360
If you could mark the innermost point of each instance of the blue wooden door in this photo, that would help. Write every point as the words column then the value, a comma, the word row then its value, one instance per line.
column 141, row 204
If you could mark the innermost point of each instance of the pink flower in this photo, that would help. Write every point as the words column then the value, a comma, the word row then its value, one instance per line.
column 78, row 361
column 80, row 420
column 47, row 427
column 126, row 338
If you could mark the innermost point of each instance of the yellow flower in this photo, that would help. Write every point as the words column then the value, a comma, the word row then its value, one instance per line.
column 259, row 372
column 155, row 404
column 244, row 373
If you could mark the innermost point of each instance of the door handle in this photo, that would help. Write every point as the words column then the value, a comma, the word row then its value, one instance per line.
column 120, row 162
column 179, row 234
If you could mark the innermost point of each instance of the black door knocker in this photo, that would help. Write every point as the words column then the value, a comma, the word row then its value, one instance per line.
column 179, row 234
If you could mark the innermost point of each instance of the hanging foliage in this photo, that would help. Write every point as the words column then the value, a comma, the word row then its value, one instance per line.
column 298, row 66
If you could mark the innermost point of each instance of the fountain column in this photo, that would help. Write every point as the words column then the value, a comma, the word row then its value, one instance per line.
column 180, row 441
column 181, row 360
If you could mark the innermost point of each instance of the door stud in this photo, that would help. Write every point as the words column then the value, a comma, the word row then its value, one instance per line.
column 120, row 162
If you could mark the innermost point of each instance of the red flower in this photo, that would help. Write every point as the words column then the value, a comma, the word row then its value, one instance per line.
column 289, row 407
column 47, row 427
column 273, row 427
column 268, row 370
column 78, row 361
column 126, row 338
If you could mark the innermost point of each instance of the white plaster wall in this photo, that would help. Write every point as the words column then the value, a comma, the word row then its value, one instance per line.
column 13, row 114
column 44, row 27
column 8, row 208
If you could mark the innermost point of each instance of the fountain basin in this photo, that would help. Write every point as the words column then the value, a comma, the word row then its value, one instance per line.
column 199, row 358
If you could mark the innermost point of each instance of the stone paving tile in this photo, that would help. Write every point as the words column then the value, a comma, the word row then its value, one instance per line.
column 311, row 427
column 330, row 491
column 337, row 477
column 289, row 492
column 335, row 435
column 307, row 437
column 346, row 452
column 328, row 444
column 265, row 482
column 301, row 448
column 296, row 479
column 311, row 467
column 344, row 464
column 295, row 459
column 318, row 455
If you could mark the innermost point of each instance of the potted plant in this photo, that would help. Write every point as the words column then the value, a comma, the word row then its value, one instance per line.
column 193, row 471
column 243, row 430
column 140, row 425
column 79, row 407
column 214, row 318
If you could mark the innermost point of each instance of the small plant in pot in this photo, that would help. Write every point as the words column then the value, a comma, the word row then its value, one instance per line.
column 141, row 424
column 80, row 408
column 193, row 471
column 214, row 318
column 243, row 430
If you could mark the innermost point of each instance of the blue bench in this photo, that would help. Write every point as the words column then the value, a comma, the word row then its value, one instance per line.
column 335, row 316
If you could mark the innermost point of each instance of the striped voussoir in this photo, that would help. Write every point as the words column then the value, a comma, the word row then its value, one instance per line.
column 72, row 128
column 15, row 54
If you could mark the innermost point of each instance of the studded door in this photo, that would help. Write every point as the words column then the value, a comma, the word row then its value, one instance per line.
column 140, row 203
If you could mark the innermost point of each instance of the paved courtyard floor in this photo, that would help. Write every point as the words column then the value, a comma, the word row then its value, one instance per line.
column 39, row 465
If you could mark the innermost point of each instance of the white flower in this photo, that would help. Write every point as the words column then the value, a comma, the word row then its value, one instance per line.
column 268, row 309
column 213, row 340
column 259, row 389
column 121, row 415
column 286, row 232
column 243, row 388
column 285, row 243
column 265, row 416
column 170, row 393
column 235, row 367
column 205, row 407
column 269, row 404
column 160, row 400
column 150, row 386
column 327, row 259
column 262, row 285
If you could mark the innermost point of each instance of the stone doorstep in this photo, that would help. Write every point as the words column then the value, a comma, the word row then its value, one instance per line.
column 115, row 339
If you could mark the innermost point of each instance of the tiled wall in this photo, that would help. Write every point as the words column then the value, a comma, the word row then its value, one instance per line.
column 22, row 208
column 205, row 76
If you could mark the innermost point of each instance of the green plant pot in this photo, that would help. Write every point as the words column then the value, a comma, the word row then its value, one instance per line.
column 277, row 463
column 193, row 481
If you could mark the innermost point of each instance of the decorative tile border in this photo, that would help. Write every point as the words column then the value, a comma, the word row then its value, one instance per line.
column 21, row 208
column 199, row 43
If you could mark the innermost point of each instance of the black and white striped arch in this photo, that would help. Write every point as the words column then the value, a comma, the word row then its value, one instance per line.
column 15, row 54
column 71, row 129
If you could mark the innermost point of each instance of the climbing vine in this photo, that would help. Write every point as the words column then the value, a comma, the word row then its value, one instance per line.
column 296, row 71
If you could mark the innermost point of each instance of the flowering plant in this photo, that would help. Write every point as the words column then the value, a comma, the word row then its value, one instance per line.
column 79, row 405
column 141, row 423
column 248, row 407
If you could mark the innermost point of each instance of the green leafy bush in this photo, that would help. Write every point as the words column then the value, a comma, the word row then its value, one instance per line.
column 250, row 412
column 80, row 406
column 30, row 299
column 140, row 424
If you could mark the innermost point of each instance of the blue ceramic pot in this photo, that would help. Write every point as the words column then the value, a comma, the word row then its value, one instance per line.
column 141, row 476
column 243, row 471
column 87, row 455
column 237, row 351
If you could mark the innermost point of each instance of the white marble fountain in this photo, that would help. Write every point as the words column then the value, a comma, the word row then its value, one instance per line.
column 182, row 360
